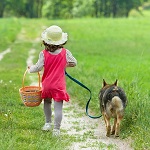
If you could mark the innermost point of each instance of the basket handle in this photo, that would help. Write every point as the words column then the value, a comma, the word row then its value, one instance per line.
column 25, row 75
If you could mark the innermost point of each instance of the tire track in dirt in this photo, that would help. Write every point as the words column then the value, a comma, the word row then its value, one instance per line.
column 2, row 54
column 29, row 62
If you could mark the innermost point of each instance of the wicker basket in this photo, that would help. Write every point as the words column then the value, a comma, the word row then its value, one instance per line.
column 31, row 95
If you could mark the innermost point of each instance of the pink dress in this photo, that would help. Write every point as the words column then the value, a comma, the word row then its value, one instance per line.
column 53, row 80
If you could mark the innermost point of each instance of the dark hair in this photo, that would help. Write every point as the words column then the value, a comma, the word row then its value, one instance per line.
column 52, row 48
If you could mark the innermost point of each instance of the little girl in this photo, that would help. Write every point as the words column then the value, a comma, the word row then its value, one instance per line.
column 54, row 59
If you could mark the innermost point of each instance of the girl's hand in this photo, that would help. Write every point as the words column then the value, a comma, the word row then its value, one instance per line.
column 71, row 64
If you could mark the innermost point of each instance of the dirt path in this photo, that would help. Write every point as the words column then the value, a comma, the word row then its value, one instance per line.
column 90, row 133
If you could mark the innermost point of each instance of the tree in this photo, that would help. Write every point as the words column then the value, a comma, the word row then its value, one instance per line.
column 34, row 8
column 83, row 8
column 19, row 8
column 58, row 9
column 2, row 7
column 116, row 8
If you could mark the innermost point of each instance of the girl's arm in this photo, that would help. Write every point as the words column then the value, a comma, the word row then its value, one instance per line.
column 39, row 65
column 71, row 61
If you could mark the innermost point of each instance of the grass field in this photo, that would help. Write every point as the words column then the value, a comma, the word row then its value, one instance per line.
column 105, row 48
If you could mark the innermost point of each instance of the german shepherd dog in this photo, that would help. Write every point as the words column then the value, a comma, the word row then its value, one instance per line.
column 113, row 101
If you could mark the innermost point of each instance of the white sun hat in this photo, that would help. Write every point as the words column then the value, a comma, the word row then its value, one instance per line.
column 54, row 35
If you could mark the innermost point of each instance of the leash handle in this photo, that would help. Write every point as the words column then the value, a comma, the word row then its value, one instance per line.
column 82, row 85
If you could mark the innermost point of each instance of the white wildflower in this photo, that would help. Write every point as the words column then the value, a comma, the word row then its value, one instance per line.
column 6, row 115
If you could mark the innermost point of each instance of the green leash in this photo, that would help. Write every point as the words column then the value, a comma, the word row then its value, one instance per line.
column 82, row 85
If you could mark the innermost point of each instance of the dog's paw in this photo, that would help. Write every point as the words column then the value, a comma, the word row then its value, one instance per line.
column 108, row 134
column 112, row 132
column 116, row 135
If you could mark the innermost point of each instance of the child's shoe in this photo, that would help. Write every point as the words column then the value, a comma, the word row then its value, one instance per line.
column 46, row 127
column 56, row 132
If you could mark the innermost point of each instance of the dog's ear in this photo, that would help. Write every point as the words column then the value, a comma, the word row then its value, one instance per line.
column 116, row 82
column 104, row 83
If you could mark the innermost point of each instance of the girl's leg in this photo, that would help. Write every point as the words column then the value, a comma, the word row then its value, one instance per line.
column 58, row 114
column 47, row 110
column 48, row 114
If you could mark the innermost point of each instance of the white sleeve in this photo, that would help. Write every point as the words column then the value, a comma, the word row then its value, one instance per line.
column 70, row 57
column 39, row 65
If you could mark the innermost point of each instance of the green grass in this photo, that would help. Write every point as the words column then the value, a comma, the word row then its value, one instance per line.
column 105, row 48
column 8, row 31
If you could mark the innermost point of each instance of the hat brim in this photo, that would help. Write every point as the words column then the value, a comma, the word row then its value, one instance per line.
column 63, row 39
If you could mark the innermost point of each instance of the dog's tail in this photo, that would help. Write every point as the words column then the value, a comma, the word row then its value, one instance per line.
column 117, row 103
